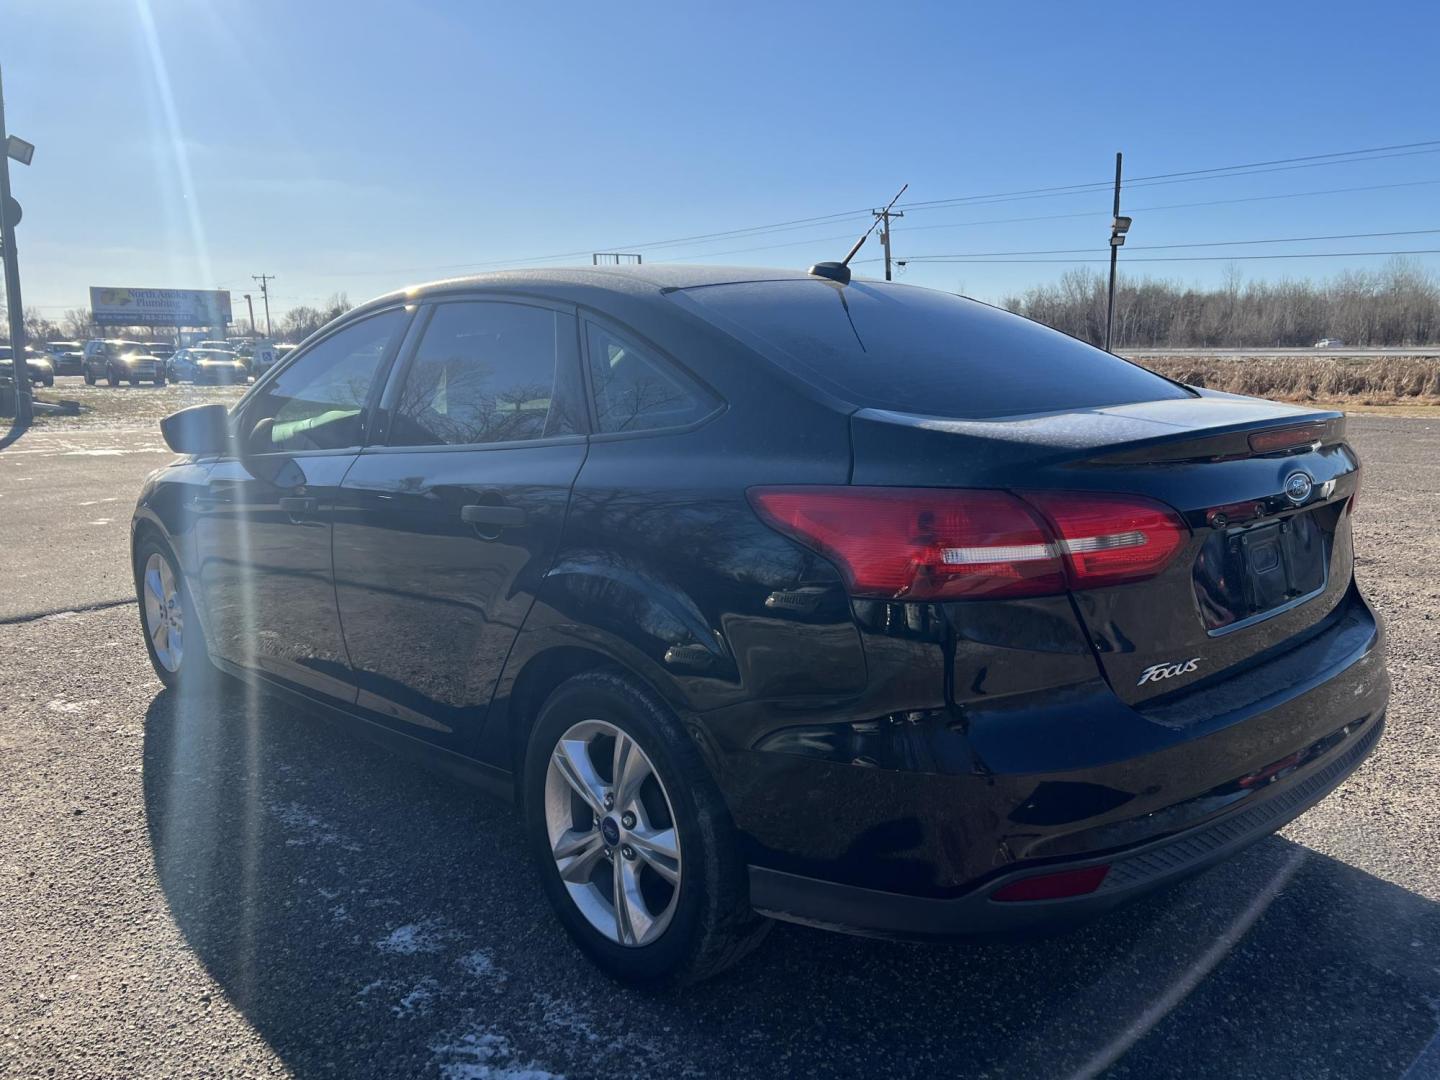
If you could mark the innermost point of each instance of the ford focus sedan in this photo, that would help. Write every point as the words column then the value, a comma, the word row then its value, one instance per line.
column 774, row 595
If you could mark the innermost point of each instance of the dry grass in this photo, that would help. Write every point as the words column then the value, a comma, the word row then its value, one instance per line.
column 1388, row 380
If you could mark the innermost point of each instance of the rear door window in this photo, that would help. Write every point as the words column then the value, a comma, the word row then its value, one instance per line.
column 636, row 390
column 921, row 351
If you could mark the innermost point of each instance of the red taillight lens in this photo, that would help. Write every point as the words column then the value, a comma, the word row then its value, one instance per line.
column 1111, row 539
column 934, row 544
column 921, row 543
column 1054, row 886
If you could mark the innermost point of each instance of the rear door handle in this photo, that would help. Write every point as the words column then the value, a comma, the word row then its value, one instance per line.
column 504, row 517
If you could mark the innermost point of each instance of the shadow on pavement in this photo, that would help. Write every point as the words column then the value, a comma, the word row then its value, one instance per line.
column 371, row 918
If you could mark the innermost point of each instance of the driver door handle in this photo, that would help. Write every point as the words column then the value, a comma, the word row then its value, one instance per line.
column 297, row 505
column 504, row 517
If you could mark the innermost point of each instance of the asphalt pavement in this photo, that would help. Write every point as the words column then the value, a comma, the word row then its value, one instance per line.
column 228, row 886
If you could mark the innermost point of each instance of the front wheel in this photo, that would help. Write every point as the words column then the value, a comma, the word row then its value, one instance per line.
column 112, row 378
column 636, row 849
column 89, row 378
column 159, row 382
column 173, row 637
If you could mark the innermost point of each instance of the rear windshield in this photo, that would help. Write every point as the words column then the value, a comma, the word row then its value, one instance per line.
column 920, row 351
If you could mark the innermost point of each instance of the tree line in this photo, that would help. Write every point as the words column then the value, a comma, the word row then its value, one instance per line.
column 77, row 325
column 1397, row 305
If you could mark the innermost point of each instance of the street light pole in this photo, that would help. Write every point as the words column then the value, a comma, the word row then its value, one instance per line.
column 1114, row 253
column 251, row 305
column 1119, row 226
column 8, row 206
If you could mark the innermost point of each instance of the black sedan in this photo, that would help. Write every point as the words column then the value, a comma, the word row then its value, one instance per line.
column 781, row 594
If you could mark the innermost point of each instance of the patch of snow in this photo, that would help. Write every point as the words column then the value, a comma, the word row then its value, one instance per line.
column 418, row 1000
column 480, row 965
column 481, row 1054
column 422, row 937
column 312, row 829
column 62, row 706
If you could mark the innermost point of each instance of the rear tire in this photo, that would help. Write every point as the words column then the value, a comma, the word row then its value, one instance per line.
column 159, row 382
column 49, row 380
column 683, row 918
column 174, row 639
column 89, row 379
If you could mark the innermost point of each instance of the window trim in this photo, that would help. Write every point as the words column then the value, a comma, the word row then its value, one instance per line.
column 400, row 370
column 620, row 330
column 367, row 413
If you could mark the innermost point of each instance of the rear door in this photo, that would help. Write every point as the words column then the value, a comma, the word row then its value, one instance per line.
column 445, row 529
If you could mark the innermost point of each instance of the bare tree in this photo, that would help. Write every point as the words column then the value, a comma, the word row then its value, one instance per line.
column 1396, row 305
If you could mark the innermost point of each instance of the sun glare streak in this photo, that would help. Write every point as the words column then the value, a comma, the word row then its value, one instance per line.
column 176, row 139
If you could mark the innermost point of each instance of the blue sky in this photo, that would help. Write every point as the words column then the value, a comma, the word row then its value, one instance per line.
column 360, row 147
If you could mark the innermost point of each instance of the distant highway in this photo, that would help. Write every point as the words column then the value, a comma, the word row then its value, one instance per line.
column 1340, row 353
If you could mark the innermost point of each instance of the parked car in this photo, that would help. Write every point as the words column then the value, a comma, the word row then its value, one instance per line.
column 67, row 357
column 37, row 365
column 778, row 594
column 160, row 348
column 120, row 361
column 207, row 366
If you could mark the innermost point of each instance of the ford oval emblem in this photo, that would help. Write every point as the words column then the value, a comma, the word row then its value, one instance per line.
column 1298, row 486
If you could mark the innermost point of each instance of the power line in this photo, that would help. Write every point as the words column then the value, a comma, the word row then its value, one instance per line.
column 1187, row 258
column 1166, row 247
column 1347, row 155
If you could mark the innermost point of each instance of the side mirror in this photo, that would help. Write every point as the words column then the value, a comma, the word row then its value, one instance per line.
column 202, row 429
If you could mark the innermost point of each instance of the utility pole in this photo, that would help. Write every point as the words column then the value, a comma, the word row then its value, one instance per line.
column 9, row 215
column 885, row 216
column 251, row 305
column 264, row 280
column 1119, row 226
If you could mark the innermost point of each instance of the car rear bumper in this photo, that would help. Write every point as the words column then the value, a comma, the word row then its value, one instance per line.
column 1131, row 872
column 907, row 824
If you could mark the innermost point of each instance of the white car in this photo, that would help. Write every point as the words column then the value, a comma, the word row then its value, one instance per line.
column 1329, row 343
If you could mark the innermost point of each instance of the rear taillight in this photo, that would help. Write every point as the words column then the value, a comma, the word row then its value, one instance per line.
column 936, row 544
column 1110, row 539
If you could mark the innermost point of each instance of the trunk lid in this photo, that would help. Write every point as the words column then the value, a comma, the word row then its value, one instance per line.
column 1263, row 488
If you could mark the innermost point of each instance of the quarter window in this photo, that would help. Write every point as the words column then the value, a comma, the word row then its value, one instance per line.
column 318, row 402
column 484, row 373
column 635, row 390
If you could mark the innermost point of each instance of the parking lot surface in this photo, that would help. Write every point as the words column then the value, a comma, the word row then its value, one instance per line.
column 227, row 886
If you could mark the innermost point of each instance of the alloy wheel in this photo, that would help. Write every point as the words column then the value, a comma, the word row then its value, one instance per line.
column 164, row 614
column 612, row 833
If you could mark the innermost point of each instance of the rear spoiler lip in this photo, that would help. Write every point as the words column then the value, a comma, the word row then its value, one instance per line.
column 1225, row 443
column 1130, row 435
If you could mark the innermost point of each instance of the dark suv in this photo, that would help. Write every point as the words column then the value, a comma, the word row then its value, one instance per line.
column 854, row 604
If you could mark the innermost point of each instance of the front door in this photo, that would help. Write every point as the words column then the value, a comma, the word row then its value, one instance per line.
column 443, row 534
column 264, row 521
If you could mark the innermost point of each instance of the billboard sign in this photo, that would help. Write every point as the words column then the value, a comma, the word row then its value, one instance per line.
column 160, row 307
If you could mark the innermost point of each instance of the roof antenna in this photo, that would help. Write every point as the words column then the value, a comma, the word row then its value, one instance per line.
column 840, row 271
